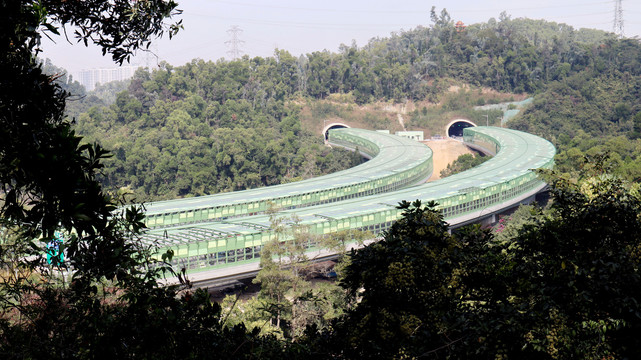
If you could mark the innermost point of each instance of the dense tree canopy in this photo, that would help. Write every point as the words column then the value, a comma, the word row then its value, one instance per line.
column 562, row 283
column 47, row 176
column 199, row 130
column 462, row 163
column 406, row 289
column 582, row 80
column 102, row 299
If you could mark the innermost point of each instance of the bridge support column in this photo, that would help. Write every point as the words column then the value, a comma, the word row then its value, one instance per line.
column 488, row 220
column 528, row 200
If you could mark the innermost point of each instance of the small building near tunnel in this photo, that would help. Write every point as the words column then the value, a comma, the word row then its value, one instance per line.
column 455, row 128
column 414, row 135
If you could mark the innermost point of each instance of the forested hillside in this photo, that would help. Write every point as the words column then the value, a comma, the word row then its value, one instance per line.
column 198, row 130
column 207, row 127
column 594, row 111
column 557, row 283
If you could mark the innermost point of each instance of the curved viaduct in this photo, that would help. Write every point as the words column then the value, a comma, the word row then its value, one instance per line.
column 228, row 248
column 395, row 163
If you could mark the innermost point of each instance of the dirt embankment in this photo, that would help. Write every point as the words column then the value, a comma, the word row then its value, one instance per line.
column 445, row 151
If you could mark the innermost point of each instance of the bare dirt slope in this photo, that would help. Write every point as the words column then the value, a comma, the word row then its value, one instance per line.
column 445, row 152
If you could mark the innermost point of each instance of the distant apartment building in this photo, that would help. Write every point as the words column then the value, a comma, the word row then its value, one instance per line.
column 89, row 78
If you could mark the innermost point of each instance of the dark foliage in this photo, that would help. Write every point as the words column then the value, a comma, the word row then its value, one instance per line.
column 103, row 300
column 565, row 286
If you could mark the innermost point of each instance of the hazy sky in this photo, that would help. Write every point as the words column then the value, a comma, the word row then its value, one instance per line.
column 304, row 26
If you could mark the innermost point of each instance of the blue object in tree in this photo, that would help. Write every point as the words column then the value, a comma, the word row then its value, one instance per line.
column 55, row 255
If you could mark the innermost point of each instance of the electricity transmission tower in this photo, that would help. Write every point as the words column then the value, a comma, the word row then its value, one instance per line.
column 235, row 42
column 618, row 18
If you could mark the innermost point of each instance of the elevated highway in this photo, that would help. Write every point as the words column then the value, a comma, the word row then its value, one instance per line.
column 395, row 163
column 229, row 248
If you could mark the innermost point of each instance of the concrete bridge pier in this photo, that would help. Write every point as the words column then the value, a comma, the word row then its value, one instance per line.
column 488, row 220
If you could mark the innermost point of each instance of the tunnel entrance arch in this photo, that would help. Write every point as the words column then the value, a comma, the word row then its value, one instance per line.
column 334, row 125
column 455, row 128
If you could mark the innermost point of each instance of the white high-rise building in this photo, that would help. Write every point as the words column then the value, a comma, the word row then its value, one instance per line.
column 90, row 77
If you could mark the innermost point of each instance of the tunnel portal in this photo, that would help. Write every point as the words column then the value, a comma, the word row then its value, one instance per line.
column 455, row 128
column 332, row 126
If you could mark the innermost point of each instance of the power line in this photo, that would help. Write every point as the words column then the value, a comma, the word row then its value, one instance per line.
column 412, row 11
column 310, row 25
column 294, row 22
column 360, row 26
column 235, row 42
